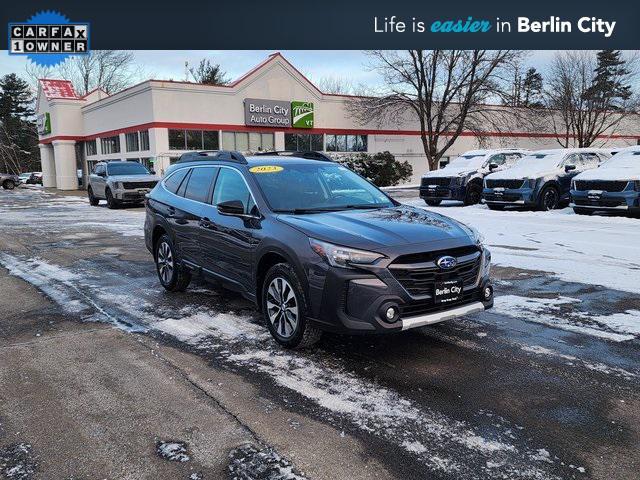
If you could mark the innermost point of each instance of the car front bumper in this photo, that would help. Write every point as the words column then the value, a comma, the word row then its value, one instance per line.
column 509, row 196
column 134, row 196
column 601, row 200
column 449, row 192
column 355, row 301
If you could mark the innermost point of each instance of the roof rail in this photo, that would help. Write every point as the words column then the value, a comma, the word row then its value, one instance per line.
column 221, row 155
column 307, row 154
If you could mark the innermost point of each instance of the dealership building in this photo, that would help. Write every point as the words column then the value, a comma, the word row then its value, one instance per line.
column 271, row 107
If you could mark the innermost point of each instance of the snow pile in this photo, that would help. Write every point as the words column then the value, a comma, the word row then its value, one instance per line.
column 173, row 451
column 249, row 462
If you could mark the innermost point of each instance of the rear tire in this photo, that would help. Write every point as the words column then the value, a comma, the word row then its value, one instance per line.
column 9, row 185
column 496, row 207
column 473, row 195
column 583, row 211
column 93, row 201
column 432, row 203
column 111, row 202
column 548, row 199
column 173, row 277
column 285, row 308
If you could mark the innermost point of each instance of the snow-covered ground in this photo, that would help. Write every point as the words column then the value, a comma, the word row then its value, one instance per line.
column 594, row 250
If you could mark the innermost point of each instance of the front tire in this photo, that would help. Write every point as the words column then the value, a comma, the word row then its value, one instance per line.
column 9, row 185
column 432, row 203
column 285, row 308
column 171, row 274
column 93, row 200
column 473, row 195
column 549, row 198
column 111, row 202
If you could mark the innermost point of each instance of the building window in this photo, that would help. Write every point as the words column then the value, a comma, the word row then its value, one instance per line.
column 247, row 141
column 346, row 143
column 91, row 148
column 303, row 142
column 110, row 145
column 132, row 142
column 144, row 140
column 193, row 140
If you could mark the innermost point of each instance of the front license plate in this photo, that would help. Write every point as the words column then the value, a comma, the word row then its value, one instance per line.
column 447, row 292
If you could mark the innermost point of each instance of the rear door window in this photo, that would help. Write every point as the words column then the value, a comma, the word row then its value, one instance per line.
column 199, row 183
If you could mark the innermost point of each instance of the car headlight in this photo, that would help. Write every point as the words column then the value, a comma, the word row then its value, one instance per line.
column 117, row 185
column 530, row 182
column 344, row 257
column 573, row 185
column 461, row 180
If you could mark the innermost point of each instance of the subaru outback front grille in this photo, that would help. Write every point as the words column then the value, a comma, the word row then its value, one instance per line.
column 418, row 273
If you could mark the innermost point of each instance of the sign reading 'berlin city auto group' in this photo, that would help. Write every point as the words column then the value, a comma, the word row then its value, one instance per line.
column 277, row 113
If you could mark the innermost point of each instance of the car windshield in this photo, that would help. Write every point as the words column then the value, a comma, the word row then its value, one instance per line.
column 539, row 161
column 623, row 160
column 309, row 187
column 463, row 161
column 127, row 168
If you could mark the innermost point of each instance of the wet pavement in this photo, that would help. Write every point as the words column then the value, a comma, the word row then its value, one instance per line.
column 546, row 385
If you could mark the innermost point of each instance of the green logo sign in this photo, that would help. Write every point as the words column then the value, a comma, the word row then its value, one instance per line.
column 44, row 123
column 302, row 114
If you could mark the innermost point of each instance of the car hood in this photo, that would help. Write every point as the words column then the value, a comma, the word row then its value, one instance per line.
column 134, row 178
column 450, row 172
column 385, row 227
column 613, row 173
column 518, row 173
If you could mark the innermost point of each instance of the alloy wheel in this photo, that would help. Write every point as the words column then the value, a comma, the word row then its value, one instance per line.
column 550, row 199
column 165, row 262
column 282, row 307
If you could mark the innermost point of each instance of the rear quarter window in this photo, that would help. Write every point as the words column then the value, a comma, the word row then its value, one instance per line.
column 173, row 181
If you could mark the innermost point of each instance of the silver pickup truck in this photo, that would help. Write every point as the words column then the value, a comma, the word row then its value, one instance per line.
column 9, row 181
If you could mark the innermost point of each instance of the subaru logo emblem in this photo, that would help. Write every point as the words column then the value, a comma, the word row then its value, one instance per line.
column 447, row 262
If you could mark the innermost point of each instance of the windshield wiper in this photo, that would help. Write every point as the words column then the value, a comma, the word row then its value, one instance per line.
column 299, row 211
column 369, row 206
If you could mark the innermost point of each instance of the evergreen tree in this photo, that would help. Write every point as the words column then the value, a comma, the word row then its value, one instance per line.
column 532, row 89
column 208, row 73
column 18, row 137
column 609, row 88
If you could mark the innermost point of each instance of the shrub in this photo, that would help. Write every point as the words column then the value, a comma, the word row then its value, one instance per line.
column 382, row 169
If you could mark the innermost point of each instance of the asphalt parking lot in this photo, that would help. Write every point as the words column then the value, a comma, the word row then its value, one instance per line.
column 105, row 375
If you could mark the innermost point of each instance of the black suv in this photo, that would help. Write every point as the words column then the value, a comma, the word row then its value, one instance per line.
column 313, row 244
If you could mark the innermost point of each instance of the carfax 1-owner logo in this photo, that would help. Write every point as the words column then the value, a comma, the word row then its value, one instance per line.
column 48, row 38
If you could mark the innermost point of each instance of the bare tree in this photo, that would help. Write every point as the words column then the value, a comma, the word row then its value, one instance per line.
column 336, row 85
column 448, row 92
column 589, row 96
column 109, row 70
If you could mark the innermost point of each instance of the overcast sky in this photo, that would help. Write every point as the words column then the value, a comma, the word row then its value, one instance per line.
column 316, row 64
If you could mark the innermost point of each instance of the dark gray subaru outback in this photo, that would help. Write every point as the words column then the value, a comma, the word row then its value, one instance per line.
column 313, row 244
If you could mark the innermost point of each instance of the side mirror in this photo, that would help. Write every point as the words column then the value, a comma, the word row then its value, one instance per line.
column 152, row 172
column 232, row 207
column 102, row 174
column 492, row 166
column 568, row 168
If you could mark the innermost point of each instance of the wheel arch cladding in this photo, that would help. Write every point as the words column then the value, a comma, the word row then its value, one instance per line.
column 158, row 231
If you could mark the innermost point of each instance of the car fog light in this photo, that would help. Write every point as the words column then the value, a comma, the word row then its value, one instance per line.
column 488, row 292
column 391, row 312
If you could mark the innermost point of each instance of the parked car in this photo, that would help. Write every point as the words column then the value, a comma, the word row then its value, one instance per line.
column 31, row 178
column 120, row 182
column 9, row 181
column 462, row 178
column 615, row 185
column 540, row 180
column 313, row 244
